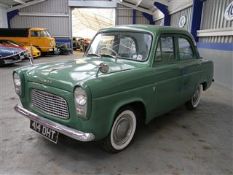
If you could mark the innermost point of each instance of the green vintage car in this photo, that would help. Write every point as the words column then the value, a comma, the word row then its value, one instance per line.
column 129, row 75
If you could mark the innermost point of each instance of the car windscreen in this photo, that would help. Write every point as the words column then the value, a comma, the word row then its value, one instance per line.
column 123, row 45
column 40, row 33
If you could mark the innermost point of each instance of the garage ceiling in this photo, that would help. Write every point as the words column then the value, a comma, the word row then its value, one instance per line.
column 12, row 2
column 141, row 5
column 18, row 4
column 144, row 6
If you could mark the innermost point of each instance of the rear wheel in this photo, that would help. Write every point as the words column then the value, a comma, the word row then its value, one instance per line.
column 195, row 99
column 122, row 131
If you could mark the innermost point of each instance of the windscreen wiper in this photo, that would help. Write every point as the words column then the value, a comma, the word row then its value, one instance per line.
column 93, row 54
column 107, row 55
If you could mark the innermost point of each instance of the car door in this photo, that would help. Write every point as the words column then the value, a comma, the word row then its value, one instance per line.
column 167, row 77
column 189, row 64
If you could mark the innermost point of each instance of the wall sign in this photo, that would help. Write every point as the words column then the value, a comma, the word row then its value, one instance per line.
column 182, row 21
column 228, row 15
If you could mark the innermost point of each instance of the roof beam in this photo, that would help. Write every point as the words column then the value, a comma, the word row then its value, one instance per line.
column 25, row 5
column 164, row 2
column 92, row 4
column 20, row 1
column 136, row 8
column 43, row 14
column 138, row 3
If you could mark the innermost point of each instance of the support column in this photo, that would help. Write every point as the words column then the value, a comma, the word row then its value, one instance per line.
column 196, row 18
column 134, row 16
column 11, row 15
column 149, row 18
column 164, row 9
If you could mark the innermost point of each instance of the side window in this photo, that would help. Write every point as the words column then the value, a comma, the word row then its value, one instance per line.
column 35, row 34
column 185, row 49
column 165, row 49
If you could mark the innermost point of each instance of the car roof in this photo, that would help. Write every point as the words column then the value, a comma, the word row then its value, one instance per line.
column 38, row 28
column 146, row 28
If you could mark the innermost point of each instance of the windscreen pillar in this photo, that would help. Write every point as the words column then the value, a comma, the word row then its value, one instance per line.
column 196, row 18
column 164, row 9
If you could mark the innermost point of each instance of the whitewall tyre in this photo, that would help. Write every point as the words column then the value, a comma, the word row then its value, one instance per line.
column 195, row 99
column 122, row 131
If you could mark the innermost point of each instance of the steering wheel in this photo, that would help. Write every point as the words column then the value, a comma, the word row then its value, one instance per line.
column 107, row 48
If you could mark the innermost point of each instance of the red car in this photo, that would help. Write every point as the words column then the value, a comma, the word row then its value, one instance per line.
column 11, row 52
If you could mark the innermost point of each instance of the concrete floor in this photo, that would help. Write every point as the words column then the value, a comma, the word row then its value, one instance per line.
column 181, row 142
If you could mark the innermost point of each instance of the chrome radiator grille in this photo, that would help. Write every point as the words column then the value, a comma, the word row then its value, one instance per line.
column 50, row 103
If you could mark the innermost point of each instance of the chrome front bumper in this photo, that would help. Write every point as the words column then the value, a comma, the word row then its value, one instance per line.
column 70, row 132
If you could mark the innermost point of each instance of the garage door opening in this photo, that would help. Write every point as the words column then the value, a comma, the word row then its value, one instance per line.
column 87, row 21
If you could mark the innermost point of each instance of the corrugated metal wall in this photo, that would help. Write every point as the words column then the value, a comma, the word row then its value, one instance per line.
column 124, row 15
column 95, row 0
column 159, row 22
column 58, row 26
column 213, row 18
column 213, row 14
column 140, row 19
column 216, row 39
column 176, row 17
column 3, row 17
column 49, row 6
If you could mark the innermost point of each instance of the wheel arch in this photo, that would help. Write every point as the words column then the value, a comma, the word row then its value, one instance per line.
column 137, row 104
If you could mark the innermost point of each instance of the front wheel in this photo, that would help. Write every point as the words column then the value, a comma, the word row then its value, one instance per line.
column 122, row 131
column 195, row 99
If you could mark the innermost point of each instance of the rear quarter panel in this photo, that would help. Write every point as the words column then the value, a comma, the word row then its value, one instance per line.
column 207, row 76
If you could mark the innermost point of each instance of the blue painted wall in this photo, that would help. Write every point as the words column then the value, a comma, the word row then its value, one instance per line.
column 216, row 46
column 64, row 40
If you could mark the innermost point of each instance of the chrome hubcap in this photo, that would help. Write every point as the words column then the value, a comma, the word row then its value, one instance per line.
column 123, row 129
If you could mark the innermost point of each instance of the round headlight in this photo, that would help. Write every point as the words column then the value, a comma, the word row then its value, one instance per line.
column 80, row 96
column 17, row 83
column 80, row 101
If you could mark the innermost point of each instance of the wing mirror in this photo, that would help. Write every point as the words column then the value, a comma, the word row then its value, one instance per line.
column 103, row 68
column 30, row 60
column 30, row 56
